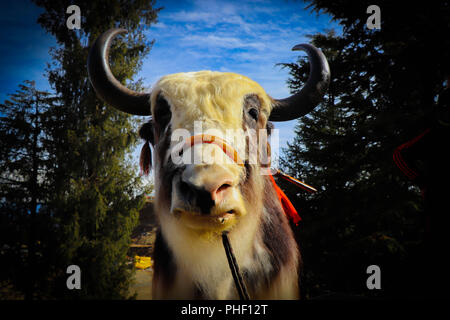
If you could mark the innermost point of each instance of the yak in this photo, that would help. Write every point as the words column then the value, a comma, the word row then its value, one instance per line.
column 196, row 201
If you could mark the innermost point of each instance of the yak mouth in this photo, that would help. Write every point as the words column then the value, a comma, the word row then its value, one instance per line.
column 217, row 220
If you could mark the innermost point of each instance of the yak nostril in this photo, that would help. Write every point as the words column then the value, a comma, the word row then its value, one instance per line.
column 196, row 196
column 185, row 188
column 223, row 187
column 218, row 194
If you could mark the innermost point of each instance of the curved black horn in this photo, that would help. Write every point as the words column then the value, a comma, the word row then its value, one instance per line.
column 106, row 85
column 312, row 92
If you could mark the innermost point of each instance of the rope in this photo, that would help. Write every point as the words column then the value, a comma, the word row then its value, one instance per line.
column 297, row 182
column 238, row 281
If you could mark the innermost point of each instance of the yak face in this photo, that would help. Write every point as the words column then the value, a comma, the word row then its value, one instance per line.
column 202, row 189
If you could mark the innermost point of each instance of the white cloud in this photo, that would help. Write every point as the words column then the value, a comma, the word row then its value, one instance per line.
column 211, row 40
column 192, row 16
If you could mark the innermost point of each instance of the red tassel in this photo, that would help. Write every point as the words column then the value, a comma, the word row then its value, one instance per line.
column 288, row 208
column 145, row 160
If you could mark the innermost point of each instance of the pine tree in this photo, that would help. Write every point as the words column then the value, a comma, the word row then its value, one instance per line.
column 24, row 189
column 96, row 192
column 384, row 85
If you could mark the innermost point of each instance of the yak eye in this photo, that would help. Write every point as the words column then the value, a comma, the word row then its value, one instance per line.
column 253, row 112
column 162, row 114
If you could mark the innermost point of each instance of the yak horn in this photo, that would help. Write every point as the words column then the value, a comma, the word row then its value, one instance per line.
column 312, row 92
column 106, row 85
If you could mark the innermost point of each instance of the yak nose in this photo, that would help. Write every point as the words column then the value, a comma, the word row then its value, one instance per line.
column 205, row 186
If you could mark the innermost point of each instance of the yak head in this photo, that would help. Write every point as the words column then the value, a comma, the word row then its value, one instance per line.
column 208, row 131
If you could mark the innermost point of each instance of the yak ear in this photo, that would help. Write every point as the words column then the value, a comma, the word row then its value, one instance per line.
column 145, row 161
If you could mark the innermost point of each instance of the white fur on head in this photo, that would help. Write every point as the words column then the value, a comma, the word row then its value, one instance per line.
column 208, row 96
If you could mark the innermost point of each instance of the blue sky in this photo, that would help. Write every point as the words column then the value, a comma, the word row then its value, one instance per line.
column 247, row 37
column 24, row 46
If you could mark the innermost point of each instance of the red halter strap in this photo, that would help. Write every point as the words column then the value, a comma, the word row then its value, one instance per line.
column 207, row 138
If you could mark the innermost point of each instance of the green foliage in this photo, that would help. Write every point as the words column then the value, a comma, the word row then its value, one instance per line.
column 87, row 188
column 96, row 197
column 25, row 159
column 382, row 91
